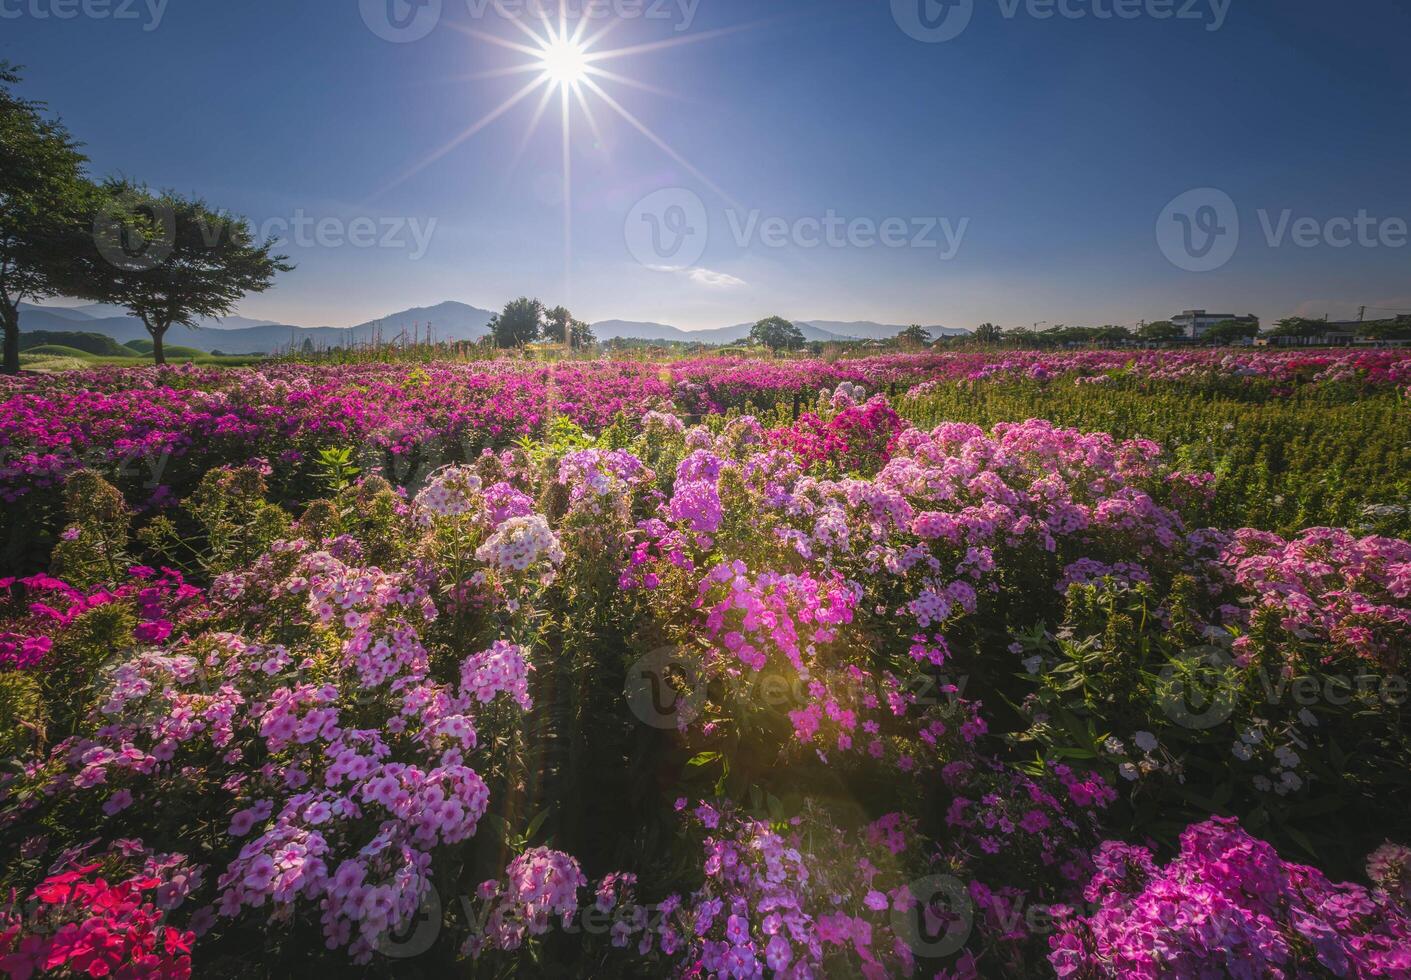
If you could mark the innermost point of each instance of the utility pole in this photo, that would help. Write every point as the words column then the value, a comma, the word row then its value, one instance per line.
column 1362, row 314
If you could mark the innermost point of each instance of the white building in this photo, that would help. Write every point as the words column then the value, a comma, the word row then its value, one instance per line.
column 1195, row 324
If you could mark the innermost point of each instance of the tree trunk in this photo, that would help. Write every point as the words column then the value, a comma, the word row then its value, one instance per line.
column 9, row 317
column 158, row 331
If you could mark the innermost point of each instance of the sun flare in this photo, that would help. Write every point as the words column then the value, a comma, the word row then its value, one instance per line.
column 564, row 62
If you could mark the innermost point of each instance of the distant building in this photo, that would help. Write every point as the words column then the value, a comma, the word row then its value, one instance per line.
column 1195, row 324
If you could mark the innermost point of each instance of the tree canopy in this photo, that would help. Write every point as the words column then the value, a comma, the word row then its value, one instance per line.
column 776, row 333
column 561, row 327
column 44, row 195
column 988, row 333
column 1159, row 332
column 915, row 335
column 171, row 259
column 519, row 323
column 1229, row 331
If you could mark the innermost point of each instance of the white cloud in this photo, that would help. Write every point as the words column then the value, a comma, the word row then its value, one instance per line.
column 715, row 280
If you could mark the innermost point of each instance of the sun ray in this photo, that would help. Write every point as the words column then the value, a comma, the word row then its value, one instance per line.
column 661, row 144
column 474, row 128
column 631, row 82
column 534, row 120
column 567, row 195
column 565, row 59
column 480, row 76
column 501, row 42
column 588, row 114
column 663, row 45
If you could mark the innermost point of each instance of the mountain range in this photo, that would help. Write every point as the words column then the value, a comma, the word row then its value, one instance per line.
column 448, row 321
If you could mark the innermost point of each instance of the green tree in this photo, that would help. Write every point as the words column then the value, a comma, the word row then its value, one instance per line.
column 776, row 333
column 173, row 260
column 1228, row 331
column 988, row 333
column 1298, row 326
column 1159, row 332
column 1111, row 334
column 43, row 197
column 560, row 326
column 915, row 336
column 519, row 323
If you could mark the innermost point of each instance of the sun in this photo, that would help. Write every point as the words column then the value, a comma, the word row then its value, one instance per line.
column 564, row 62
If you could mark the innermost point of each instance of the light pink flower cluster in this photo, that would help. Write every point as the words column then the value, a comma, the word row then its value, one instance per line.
column 1329, row 592
column 502, row 669
column 539, row 885
column 522, row 544
column 346, row 787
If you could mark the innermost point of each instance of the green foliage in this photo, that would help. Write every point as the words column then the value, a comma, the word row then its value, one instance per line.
column 172, row 259
column 57, row 350
column 915, row 336
column 776, row 333
column 334, row 469
column 78, row 341
column 225, row 525
column 93, row 549
column 1330, row 456
column 1159, row 332
column 22, row 714
column 147, row 347
column 519, row 323
column 1125, row 661
column 560, row 326
column 43, row 197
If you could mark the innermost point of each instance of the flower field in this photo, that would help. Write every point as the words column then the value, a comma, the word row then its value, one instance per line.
column 1085, row 665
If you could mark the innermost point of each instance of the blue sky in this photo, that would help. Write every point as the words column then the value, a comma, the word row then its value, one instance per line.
column 1022, row 167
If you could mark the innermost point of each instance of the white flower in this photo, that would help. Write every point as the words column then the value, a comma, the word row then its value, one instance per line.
column 1291, row 780
column 1145, row 741
column 1032, row 664
column 1262, row 784
column 521, row 542
column 1308, row 718
column 1287, row 757
column 1128, row 771
column 1243, row 752
column 1114, row 745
